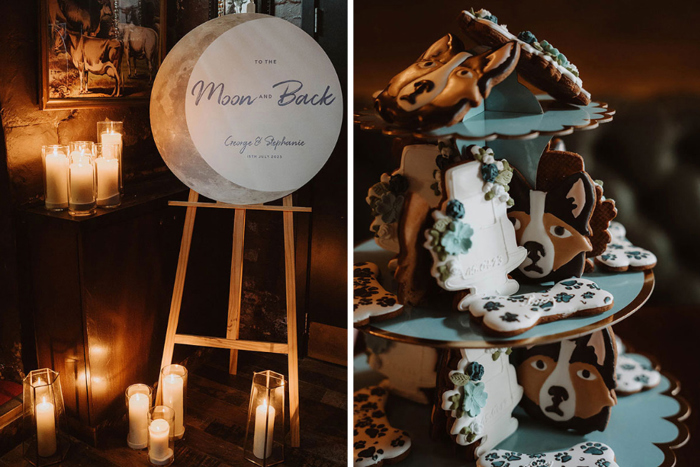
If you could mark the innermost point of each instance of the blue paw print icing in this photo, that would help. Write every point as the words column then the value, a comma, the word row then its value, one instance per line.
column 563, row 297
column 597, row 449
column 571, row 284
column 493, row 306
column 562, row 457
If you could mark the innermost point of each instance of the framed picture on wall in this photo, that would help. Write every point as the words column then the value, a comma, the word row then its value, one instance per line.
column 100, row 52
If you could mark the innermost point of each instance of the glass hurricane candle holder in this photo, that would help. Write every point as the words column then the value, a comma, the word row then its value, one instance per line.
column 138, row 404
column 109, row 132
column 109, row 174
column 82, row 183
column 264, row 435
column 55, row 160
column 161, row 443
column 173, row 379
column 43, row 419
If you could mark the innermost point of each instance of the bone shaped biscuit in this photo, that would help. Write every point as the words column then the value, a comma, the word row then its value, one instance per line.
column 371, row 301
column 375, row 440
column 512, row 315
column 621, row 255
column 633, row 376
column 588, row 454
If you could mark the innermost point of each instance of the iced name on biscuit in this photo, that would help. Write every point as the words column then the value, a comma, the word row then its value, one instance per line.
column 371, row 301
column 479, row 396
column 471, row 240
column 586, row 454
column 621, row 255
column 375, row 441
column 540, row 63
column 561, row 220
column 570, row 384
column 443, row 84
column 505, row 315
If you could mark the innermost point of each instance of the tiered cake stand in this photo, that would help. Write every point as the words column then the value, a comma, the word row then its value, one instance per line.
column 644, row 428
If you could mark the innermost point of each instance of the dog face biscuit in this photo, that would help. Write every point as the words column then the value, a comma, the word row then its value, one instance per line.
column 444, row 83
column 570, row 384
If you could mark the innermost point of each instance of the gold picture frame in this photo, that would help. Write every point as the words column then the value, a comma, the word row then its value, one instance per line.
column 97, row 53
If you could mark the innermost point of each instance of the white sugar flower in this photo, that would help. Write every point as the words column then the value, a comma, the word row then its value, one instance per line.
column 498, row 189
column 476, row 427
column 499, row 165
column 504, row 198
column 487, row 187
column 488, row 159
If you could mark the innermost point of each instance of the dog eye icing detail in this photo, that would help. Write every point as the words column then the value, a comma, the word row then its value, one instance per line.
column 539, row 365
column 428, row 64
column 516, row 223
column 464, row 73
column 585, row 374
column 559, row 231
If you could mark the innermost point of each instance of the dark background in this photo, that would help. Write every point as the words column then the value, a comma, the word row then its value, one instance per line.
column 642, row 58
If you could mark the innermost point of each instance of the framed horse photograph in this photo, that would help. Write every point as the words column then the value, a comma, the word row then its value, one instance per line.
column 100, row 52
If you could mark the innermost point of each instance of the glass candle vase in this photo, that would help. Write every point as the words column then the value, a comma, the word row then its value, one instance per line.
column 55, row 160
column 138, row 404
column 43, row 419
column 264, row 435
column 109, row 132
column 108, row 165
column 173, row 380
column 161, row 444
column 82, row 183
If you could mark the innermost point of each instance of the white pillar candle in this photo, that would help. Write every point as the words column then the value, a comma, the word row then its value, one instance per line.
column 259, row 438
column 138, row 421
column 107, row 181
column 56, row 179
column 108, row 139
column 173, row 398
column 81, row 180
column 159, row 451
column 45, row 428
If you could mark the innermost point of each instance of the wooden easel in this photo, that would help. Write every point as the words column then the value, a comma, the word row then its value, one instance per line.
column 235, row 292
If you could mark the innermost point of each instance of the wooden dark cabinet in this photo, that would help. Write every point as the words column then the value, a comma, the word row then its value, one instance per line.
column 97, row 293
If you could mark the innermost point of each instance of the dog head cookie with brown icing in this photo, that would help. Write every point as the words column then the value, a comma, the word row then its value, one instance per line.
column 562, row 220
column 444, row 83
column 571, row 383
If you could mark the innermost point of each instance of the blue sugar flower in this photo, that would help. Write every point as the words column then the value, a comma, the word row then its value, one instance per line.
column 474, row 398
column 489, row 172
column 455, row 209
column 527, row 36
column 475, row 371
column 457, row 238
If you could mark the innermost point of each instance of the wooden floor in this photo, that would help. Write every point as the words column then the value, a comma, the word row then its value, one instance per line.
column 216, row 417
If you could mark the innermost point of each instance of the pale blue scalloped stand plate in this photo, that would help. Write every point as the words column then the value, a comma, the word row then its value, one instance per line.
column 637, row 425
column 439, row 325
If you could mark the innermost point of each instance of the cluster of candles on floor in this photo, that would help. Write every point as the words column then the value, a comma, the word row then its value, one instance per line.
column 153, row 427
column 157, row 428
column 84, row 174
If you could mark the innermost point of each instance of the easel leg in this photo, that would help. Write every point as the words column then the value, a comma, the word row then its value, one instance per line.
column 179, row 287
column 293, row 361
column 235, row 289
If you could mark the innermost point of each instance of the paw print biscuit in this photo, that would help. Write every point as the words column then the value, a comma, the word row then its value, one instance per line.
column 371, row 301
column 632, row 375
column 621, row 255
column 589, row 454
column 375, row 441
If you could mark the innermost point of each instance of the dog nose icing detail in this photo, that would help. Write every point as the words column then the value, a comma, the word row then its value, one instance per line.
column 535, row 252
column 419, row 88
column 559, row 395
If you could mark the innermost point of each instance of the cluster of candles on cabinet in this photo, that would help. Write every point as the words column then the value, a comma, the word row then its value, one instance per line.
column 157, row 428
column 84, row 174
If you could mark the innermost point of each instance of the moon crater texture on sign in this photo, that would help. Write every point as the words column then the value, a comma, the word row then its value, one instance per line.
column 246, row 109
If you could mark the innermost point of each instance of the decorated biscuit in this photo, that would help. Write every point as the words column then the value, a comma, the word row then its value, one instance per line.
column 586, row 454
column 444, row 83
column 621, row 255
column 540, row 63
column 632, row 375
column 478, row 392
column 375, row 441
column 372, row 302
column 505, row 315
column 471, row 240
column 421, row 173
column 570, row 384
column 561, row 220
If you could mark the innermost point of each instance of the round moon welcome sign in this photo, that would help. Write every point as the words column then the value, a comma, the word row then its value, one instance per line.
column 246, row 108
